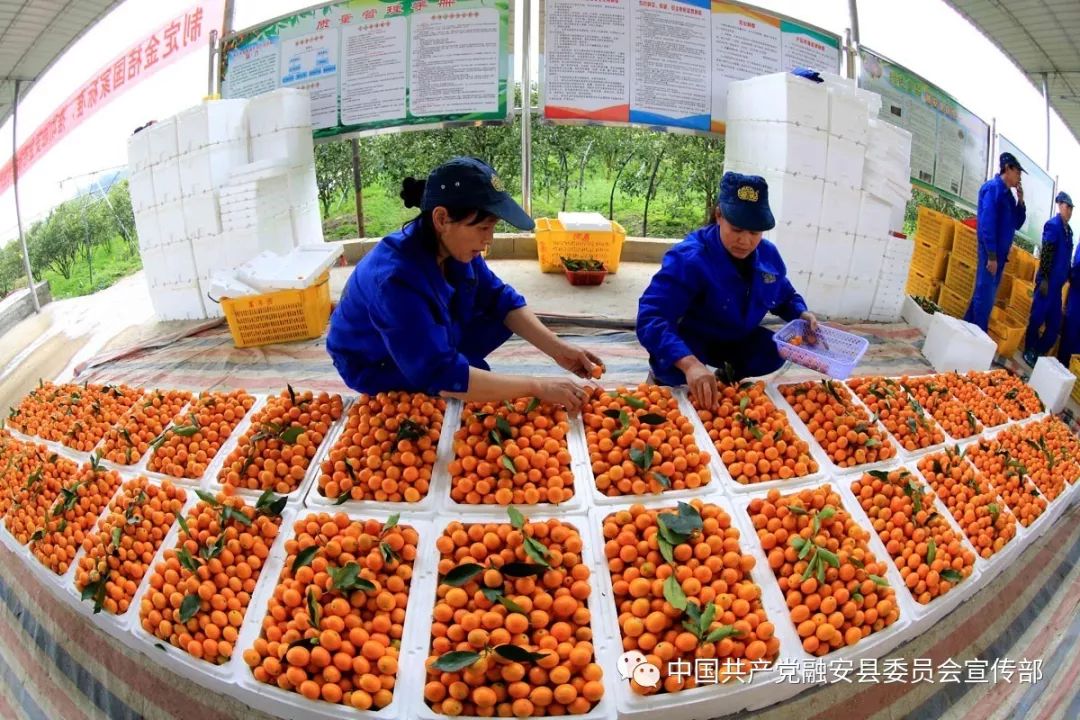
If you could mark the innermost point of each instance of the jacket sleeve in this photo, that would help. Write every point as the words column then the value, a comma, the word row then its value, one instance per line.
column 1019, row 214
column 791, row 304
column 493, row 293
column 1049, row 247
column 664, row 303
column 985, row 229
column 418, row 344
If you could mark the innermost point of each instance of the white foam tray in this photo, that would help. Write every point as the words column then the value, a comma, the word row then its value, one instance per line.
column 720, row 472
column 438, row 488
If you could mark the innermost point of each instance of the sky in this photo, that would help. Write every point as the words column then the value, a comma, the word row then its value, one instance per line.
column 926, row 36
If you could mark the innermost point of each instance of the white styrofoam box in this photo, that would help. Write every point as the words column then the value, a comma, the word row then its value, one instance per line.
column 832, row 256
column 307, row 226
column 297, row 270
column 896, row 215
column 953, row 344
column 292, row 144
column 849, row 117
column 166, row 179
column 796, row 246
column 171, row 227
column 899, row 249
column 800, row 280
column 163, row 145
column 279, row 109
column 223, row 252
column 780, row 97
column 857, row 300
column 146, row 227
column 874, row 215
column 781, row 146
column 915, row 316
column 891, row 169
column 872, row 100
column 153, row 262
column 824, row 294
column 795, row 200
column 844, row 161
column 214, row 121
column 303, row 186
column 259, row 170
column 839, row 83
column 1053, row 382
column 211, row 306
column 867, row 257
column 179, row 262
column 211, row 167
column 141, row 189
column 139, row 154
column 201, row 215
column 178, row 301
column 839, row 208
column 887, row 139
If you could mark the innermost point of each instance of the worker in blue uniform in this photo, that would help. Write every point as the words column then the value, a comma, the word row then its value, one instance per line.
column 1055, row 259
column 1070, row 327
column 705, row 305
column 999, row 217
column 422, row 310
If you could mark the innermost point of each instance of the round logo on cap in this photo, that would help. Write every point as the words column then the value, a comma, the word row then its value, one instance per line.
column 497, row 183
column 748, row 194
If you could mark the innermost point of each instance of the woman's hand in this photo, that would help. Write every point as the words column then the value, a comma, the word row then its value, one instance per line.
column 575, row 359
column 561, row 391
column 811, row 327
column 701, row 382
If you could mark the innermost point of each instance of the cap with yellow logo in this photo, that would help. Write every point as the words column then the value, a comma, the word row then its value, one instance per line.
column 466, row 182
column 744, row 201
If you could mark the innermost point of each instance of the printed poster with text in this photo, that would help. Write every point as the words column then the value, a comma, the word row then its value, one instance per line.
column 949, row 144
column 1038, row 192
column 372, row 64
column 665, row 63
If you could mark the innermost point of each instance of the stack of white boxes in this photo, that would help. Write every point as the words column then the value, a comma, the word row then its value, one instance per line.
column 202, row 205
column 833, row 186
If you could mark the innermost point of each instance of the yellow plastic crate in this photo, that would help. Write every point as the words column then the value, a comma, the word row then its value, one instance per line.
column 965, row 244
column 1024, row 264
column 1021, row 296
column 921, row 285
column 281, row 316
column 1006, row 331
column 960, row 276
column 553, row 242
column 1004, row 289
column 929, row 260
column 1074, row 366
column 953, row 302
column 934, row 227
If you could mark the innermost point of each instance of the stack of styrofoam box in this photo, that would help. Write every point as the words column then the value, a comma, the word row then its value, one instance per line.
column 255, row 212
column 279, row 128
column 212, row 139
column 157, row 202
column 816, row 146
column 892, row 280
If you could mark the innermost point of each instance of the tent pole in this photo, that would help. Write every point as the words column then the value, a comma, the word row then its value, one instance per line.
column 15, row 189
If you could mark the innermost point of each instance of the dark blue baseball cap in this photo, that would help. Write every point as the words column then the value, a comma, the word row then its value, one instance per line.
column 465, row 182
column 744, row 201
column 1007, row 159
column 1063, row 197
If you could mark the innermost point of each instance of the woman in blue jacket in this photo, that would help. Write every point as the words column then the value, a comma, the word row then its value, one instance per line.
column 705, row 305
column 1055, row 258
column 422, row 310
column 1070, row 329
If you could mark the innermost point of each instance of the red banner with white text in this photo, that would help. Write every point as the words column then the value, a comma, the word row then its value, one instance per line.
column 184, row 33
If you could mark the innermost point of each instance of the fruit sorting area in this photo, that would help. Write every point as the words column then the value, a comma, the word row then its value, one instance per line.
column 405, row 556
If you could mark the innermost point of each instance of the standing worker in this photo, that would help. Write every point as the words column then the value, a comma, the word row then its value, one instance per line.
column 422, row 310
column 1000, row 216
column 1070, row 331
column 1055, row 258
column 706, row 303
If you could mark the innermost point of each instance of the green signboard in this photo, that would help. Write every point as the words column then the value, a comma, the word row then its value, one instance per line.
column 950, row 145
column 376, row 64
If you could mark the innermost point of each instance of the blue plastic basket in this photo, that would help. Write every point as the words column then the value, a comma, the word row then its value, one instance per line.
column 836, row 357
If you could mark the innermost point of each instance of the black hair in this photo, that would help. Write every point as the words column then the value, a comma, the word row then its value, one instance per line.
column 412, row 194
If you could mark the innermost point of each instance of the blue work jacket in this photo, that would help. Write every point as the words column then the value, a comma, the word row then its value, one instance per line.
column 699, row 298
column 1057, row 239
column 399, row 325
column 1000, row 216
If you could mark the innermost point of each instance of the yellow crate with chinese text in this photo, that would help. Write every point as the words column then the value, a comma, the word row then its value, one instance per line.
column 279, row 317
column 554, row 242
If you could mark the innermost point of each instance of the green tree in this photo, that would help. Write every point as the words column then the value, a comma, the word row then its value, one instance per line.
column 333, row 172
column 11, row 267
